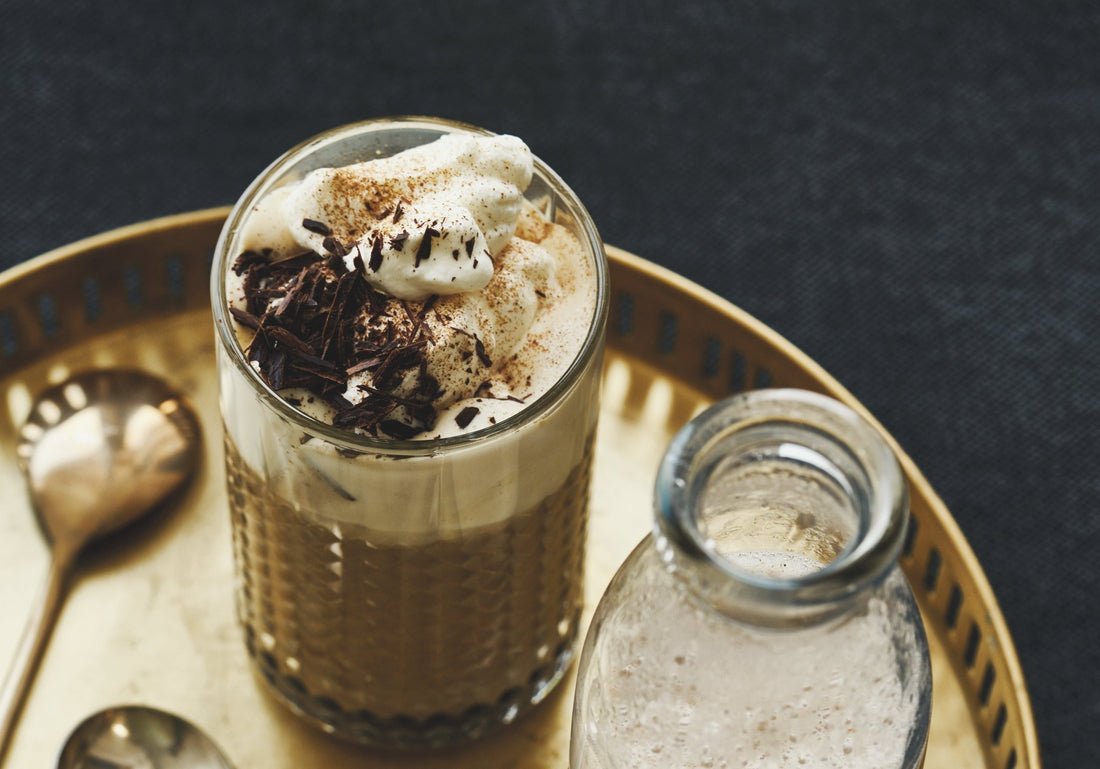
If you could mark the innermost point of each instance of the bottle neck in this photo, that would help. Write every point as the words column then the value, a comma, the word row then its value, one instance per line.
column 780, row 507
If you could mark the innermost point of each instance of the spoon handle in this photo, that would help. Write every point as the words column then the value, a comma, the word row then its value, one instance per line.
column 36, row 636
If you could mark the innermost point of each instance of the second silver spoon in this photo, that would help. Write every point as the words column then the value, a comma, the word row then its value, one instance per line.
column 139, row 737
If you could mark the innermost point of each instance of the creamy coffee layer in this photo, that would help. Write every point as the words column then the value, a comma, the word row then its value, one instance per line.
column 421, row 631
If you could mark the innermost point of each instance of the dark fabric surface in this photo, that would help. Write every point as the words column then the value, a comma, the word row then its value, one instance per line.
column 907, row 191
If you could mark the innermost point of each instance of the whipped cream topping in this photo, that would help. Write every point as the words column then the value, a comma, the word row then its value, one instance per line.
column 364, row 321
column 427, row 221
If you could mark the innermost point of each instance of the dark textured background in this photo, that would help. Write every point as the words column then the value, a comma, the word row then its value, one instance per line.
column 908, row 191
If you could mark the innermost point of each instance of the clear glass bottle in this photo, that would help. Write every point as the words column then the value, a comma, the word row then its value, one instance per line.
column 764, row 622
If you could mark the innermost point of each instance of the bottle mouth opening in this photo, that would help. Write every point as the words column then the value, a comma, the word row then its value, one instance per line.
column 780, row 504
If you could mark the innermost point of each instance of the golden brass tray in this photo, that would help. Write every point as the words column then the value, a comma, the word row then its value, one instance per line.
column 151, row 616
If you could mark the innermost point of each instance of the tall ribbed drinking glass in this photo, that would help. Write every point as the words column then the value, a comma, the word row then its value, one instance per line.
column 398, row 591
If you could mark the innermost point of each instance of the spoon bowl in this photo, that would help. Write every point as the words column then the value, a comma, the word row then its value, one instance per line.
column 139, row 737
column 99, row 451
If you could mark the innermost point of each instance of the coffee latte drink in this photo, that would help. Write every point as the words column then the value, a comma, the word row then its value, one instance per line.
column 411, row 321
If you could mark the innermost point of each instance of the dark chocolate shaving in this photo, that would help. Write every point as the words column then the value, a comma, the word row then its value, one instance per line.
column 336, row 311
column 479, row 348
column 399, row 430
column 357, row 260
column 294, row 294
column 276, row 369
column 366, row 365
column 288, row 340
column 246, row 319
column 334, row 247
column 464, row 417
column 425, row 248
column 375, row 254
column 317, row 227
column 247, row 260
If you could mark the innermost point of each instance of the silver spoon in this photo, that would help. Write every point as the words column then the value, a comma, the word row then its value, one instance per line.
column 99, row 451
column 139, row 737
